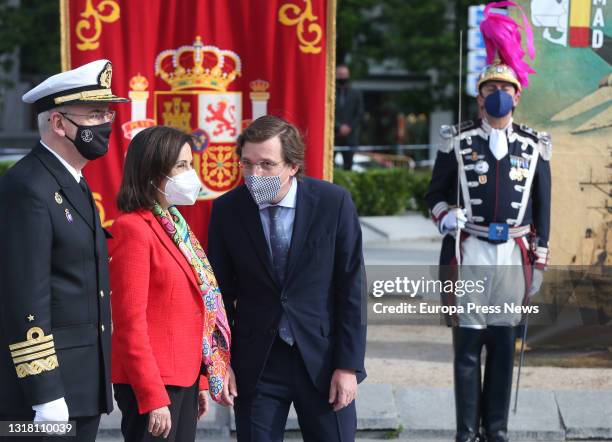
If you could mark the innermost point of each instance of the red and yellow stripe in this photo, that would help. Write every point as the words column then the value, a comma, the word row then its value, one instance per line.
column 580, row 23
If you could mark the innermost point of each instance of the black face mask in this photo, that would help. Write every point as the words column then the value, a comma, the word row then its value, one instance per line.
column 342, row 82
column 91, row 141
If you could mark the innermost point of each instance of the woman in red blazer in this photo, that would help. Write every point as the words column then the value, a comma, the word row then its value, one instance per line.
column 171, row 339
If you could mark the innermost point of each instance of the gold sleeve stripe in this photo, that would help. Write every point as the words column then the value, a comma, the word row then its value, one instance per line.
column 31, row 342
column 37, row 367
column 34, row 336
column 33, row 349
column 33, row 356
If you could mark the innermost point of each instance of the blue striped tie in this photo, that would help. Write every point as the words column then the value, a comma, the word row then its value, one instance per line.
column 279, row 243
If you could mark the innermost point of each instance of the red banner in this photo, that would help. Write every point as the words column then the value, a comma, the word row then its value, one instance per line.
column 208, row 68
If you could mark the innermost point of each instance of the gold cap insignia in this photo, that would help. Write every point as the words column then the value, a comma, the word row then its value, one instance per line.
column 106, row 75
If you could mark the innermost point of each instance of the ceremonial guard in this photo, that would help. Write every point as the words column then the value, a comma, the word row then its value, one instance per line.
column 55, row 325
column 498, row 172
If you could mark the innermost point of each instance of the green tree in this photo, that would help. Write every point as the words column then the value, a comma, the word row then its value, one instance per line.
column 418, row 35
column 356, row 36
column 11, row 37
column 40, row 53
column 33, row 28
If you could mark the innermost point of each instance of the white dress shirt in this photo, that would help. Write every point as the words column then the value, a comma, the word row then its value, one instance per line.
column 75, row 173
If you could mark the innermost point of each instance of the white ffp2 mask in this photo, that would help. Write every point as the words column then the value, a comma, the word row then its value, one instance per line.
column 183, row 189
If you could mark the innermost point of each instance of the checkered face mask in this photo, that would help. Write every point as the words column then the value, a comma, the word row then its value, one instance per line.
column 263, row 189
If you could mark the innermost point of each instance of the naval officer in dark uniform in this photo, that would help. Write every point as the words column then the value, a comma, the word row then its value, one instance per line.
column 502, row 173
column 55, row 320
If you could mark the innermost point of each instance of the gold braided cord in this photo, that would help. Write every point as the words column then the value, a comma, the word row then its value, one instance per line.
column 85, row 95
column 37, row 367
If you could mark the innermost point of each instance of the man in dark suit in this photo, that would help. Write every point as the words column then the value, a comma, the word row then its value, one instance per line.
column 286, row 251
column 348, row 115
column 54, row 292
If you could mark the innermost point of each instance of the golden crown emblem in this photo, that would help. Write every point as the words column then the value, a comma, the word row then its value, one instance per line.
column 198, row 67
column 139, row 83
column 259, row 85
column 259, row 90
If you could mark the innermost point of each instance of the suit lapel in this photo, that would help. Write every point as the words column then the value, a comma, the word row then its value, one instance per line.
column 98, row 234
column 70, row 188
column 171, row 247
column 304, row 215
column 80, row 202
column 249, row 213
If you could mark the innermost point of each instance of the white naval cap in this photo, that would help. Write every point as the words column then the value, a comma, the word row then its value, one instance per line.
column 90, row 83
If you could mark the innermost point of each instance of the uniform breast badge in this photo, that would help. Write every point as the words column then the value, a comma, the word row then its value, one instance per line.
column 482, row 167
column 69, row 216
column 519, row 168
column 525, row 172
column 58, row 198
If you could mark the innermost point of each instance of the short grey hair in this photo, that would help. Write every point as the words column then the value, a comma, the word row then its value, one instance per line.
column 44, row 117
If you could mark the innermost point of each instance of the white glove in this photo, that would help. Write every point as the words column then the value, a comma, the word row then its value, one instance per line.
column 536, row 282
column 455, row 217
column 54, row 411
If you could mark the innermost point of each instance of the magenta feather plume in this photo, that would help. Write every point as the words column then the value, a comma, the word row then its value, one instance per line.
column 502, row 38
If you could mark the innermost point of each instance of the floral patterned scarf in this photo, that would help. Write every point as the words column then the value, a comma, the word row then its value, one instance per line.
column 217, row 336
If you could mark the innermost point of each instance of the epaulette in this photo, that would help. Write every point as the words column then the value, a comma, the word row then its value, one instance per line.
column 447, row 131
column 543, row 139
column 523, row 129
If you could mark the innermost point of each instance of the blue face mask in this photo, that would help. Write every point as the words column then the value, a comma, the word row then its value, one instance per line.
column 498, row 104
